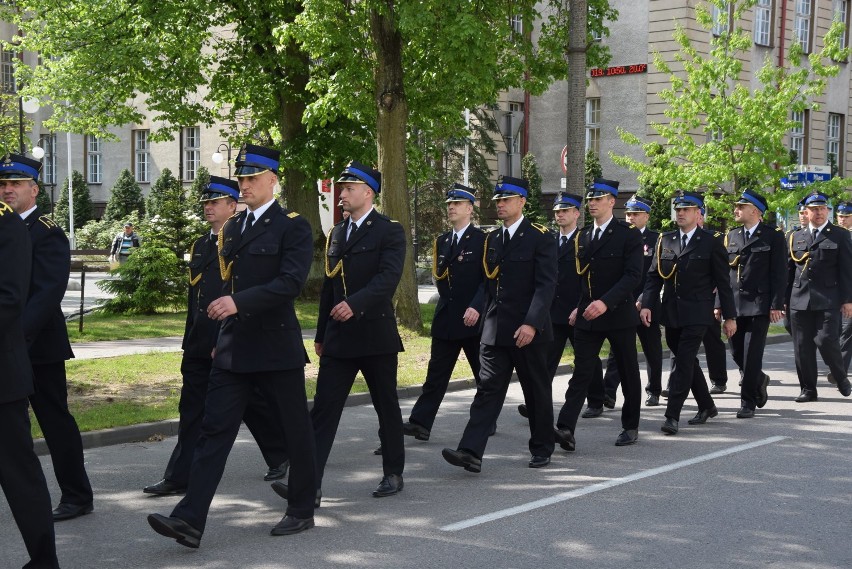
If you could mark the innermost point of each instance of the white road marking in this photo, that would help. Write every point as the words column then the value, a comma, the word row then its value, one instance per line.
column 564, row 496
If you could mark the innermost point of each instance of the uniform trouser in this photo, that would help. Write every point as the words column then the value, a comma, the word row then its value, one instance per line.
column 50, row 406
column 24, row 485
column 686, row 374
column 587, row 346
column 259, row 418
column 747, row 347
column 652, row 346
column 714, row 353
column 442, row 361
column 498, row 362
column 334, row 381
column 814, row 329
column 846, row 342
column 563, row 333
column 228, row 395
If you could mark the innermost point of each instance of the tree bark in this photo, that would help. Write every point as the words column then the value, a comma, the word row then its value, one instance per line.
column 391, row 129
column 576, row 136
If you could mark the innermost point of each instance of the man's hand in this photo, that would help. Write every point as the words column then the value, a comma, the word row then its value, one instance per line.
column 471, row 317
column 775, row 316
column 846, row 309
column 342, row 312
column 572, row 317
column 645, row 316
column 318, row 348
column 595, row 309
column 717, row 313
column 730, row 327
column 524, row 335
column 221, row 308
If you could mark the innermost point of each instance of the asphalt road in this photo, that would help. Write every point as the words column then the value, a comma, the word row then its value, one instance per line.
column 773, row 491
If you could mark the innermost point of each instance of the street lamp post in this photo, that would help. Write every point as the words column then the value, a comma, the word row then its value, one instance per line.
column 217, row 156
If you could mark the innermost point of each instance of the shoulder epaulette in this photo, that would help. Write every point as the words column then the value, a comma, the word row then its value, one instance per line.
column 4, row 207
column 717, row 234
column 778, row 229
column 540, row 227
column 293, row 214
column 49, row 223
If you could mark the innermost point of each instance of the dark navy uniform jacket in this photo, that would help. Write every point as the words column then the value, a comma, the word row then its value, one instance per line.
column 366, row 270
column 819, row 271
column 521, row 281
column 692, row 276
column 265, row 270
column 205, row 286
column 567, row 293
column 649, row 241
column 16, row 378
column 758, row 269
column 460, row 280
column 611, row 269
column 44, row 323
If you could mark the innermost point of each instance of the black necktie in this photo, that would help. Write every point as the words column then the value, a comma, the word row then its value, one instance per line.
column 683, row 243
column 506, row 237
column 747, row 235
column 597, row 234
column 249, row 221
column 564, row 241
column 816, row 232
column 455, row 242
column 214, row 239
column 350, row 230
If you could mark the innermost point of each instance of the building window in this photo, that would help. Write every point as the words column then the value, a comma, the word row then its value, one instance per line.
column 803, row 24
column 141, row 156
column 517, row 24
column 841, row 14
column 94, row 159
column 517, row 142
column 799, row 136
column 763, row 22
column 7, row 71
column 191, row 152
column 721, row 19
column 48, row 169
column 593, row 126
column 834, row 142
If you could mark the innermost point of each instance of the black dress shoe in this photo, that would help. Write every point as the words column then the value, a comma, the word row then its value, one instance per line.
column 805, row 396
column 565, row 438
column 290, row 525
column 462, row 458
column 539, row 461
column 844, row 387
column 670, row 426
column 378, row 451
column 165, row 488
column 277, row 472
column 745, row 413
column 391, row 484
column 282, row 490
column 627, row 437
column 609, row 402
column 175, row 528
column 831, row 379
column 664, row 393
column 653, row 400
column 65, row 511
column 592, row 412
column 522, row 411
column 717, row 388
column 702, row 416
column 762, row 395
column 414, row 430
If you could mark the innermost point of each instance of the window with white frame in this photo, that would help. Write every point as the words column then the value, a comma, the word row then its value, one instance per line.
column 517, row 23
column 48, row 161
column 798, row 135
column 191, row 152
column 721, row 18
column 803, row 23
column 141, row 156
column 763, row 22
column 834, row 141
column 94, row 159
column 517, row 143
column 593, row 126
column 7, row 71
column 841, row 14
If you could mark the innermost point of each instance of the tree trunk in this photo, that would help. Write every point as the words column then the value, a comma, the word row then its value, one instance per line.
column 576, row 137
column 391, row 129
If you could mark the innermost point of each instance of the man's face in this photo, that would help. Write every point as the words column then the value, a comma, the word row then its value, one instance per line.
column 459, row 211
column 845, row 221
column 818, row 214
column 637, row 218
column 804, row 218
column 216, row 212
column 19, row 194
column 566, row 218
column 687, row 217
column 746, row 214
column 600, row 208
column 510, row 208
column 354, row 196
column 128, row 230
column 257, row 190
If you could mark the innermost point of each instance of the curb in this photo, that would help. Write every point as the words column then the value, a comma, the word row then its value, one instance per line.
column 169, row 427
